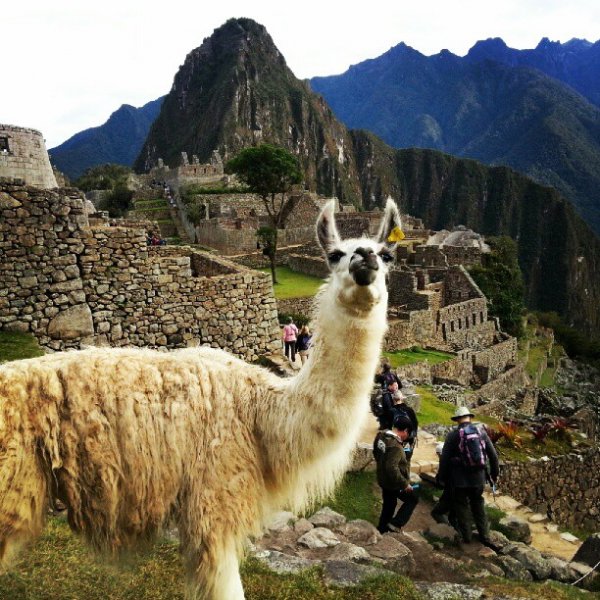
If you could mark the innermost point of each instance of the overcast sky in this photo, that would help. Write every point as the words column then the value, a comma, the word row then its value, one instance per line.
column 66, row 65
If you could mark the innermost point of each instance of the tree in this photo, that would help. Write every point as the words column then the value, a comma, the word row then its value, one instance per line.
column 501, row 280
column 268, row 171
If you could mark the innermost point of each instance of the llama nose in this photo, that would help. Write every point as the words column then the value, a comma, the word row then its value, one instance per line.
column 364, row 271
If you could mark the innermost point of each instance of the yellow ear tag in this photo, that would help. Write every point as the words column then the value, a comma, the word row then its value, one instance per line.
column 395, row 235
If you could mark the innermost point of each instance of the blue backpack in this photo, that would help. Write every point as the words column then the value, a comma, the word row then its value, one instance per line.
column 471, row 447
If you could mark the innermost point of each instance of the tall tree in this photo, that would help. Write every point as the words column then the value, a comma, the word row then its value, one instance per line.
column 270, row 172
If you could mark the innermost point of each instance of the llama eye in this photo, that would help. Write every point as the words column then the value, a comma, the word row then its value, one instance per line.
column 335, row 256
column 386, row 257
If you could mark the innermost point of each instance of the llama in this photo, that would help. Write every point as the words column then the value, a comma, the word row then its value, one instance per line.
column 128, row 439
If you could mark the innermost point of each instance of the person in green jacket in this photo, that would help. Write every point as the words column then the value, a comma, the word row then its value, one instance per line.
column 393, row 475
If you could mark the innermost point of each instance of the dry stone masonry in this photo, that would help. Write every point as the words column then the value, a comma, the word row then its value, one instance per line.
column 23, row 155
column 71, row 280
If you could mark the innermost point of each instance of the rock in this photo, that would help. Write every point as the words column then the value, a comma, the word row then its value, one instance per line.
column 345, row 573
column 498, row 539
column 360, row 532
column 327, row 518
column 579, row 569
column 537, row 518
column 443, row 532
column 319, row 537
column 396, row 556
column 486, row 552
column 589, row 552
column 559, row 570
column 533, row 561
column 281, row 521
column 72, row 323
column 517, row 529
column 513, row 569
column 569, row 537
column 284, row 563
column 449, row 591
column 362, row 458
column 346, row 551
column 301, row 526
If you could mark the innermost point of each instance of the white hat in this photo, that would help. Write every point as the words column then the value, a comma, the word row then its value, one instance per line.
column 462, row 411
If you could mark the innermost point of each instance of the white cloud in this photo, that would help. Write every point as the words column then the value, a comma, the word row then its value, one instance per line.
column 67, row 64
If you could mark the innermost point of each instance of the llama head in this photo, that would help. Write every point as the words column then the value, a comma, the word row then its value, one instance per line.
column 359, row 266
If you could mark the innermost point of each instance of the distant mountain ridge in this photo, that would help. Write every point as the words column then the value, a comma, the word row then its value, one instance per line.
column 236, row 90
column 117, row 141
column 481, row 107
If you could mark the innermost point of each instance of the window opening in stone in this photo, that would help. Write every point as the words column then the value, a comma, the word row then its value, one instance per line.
column 4, row 147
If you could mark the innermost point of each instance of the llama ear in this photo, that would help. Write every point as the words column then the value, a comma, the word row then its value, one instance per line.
column 390, row 231
column 327, row 232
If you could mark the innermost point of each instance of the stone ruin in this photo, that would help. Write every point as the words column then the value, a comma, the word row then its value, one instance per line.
column 73, row 279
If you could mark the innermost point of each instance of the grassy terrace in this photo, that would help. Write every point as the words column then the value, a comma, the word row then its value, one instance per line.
column 14, row 346
column 415, row 355
column 294, row 285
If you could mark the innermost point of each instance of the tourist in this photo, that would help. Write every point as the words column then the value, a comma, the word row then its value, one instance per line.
column 393, row 476
column 466, row 452
column 290, row 333
column 443, row 511
column 400, row 408
column 386, row 377
column 303, row 343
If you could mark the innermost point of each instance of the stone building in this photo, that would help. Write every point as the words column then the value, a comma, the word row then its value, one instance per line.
column 23, row 155
column 71, row 280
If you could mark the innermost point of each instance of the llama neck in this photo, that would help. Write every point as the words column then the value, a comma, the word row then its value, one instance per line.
column 332, row 387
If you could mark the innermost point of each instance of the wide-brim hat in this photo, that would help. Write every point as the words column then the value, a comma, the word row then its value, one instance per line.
column 462, row 411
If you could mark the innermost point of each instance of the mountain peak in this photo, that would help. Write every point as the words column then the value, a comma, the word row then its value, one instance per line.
column 491, row 48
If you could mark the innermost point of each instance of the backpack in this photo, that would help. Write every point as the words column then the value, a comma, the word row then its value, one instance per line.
column 471, row 447
column 376, row 404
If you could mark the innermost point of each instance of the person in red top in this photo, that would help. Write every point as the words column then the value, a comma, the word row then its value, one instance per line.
column 290, row 333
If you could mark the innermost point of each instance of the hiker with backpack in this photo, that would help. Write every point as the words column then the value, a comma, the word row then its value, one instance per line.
column 463, row 464
column 393, row 475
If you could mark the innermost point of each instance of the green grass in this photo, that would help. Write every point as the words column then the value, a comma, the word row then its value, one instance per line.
column 14, row 346
column 294, row 285
column 59, row 566
column 432, row 409
column 357, row 497
column 415, row 355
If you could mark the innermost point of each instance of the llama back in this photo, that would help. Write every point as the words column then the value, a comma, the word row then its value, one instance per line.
column 126, row 439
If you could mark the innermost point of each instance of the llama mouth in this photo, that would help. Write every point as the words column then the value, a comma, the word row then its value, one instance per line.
column 364, row 274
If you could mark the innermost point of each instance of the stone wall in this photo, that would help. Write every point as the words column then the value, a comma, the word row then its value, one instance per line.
column 566, row 488
column 296, row 306
column 403, row 291
column 493, row 361
column 309, row 265
column 465, row 324
column 505, row 385
column 70, row 283
column 416, row 328
column 458, row 370
column 23, row 155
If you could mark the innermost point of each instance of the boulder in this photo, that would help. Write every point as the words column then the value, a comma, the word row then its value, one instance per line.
column 499, row 540
column 345, row 573
column 449, row 591
column 284, row 563
column 360, row 532
column 346, row 551
column 281, row 521
column 533, row 561
column 301, row 526
column 516, row 529
column 589, row 551
column 319, row 537
column 327, row 518
column 513, row 569
column 395, row 555
column 560, row 570
column 362, row 458
column 72, row 323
